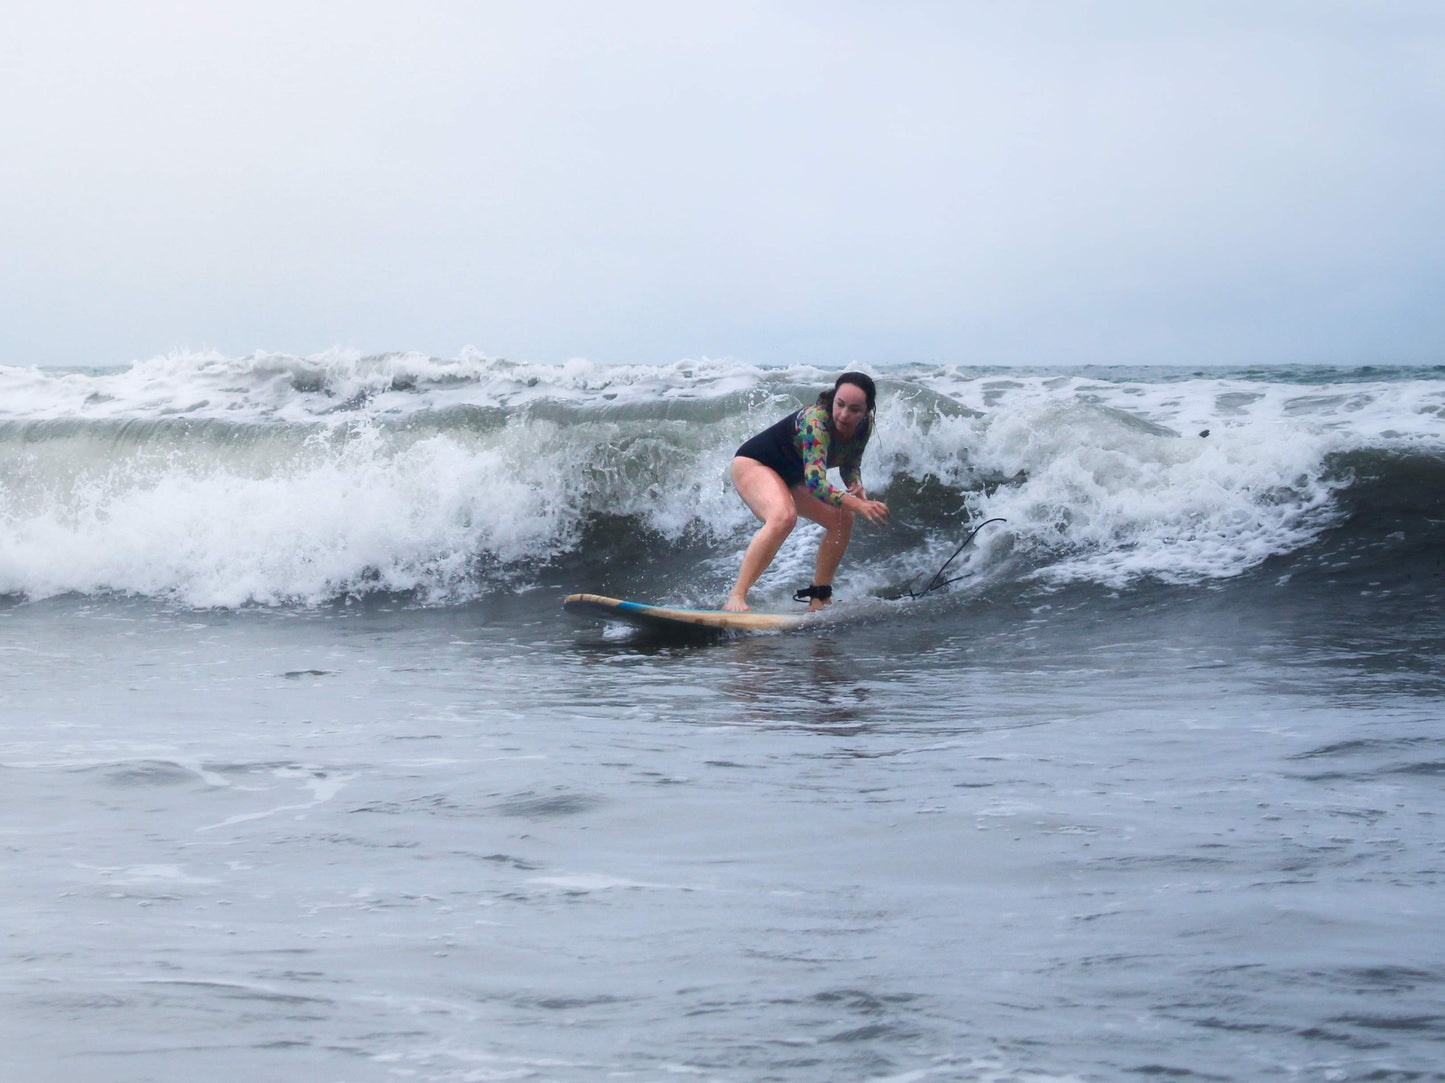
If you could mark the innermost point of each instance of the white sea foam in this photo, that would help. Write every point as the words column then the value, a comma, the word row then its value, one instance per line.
column 221, row 481
column 1177, row 480
column 336, row 385
column 1123, row 500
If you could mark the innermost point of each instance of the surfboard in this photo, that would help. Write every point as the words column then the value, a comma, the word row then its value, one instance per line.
column 664, row 618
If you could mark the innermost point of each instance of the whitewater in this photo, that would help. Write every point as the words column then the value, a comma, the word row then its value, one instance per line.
column 219, row 481
column 308, row 776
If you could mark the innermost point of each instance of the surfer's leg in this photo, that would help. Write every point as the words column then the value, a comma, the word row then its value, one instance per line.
column 766, row 495
column 839, row 526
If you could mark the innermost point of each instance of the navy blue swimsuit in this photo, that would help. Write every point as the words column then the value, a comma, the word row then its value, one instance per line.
column 776, row 447
column 801, row 447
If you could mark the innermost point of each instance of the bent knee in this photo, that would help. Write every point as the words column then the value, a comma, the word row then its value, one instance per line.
column 782, row 521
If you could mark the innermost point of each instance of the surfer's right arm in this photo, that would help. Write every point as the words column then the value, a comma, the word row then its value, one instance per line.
column 814, row 440
column 875, row 511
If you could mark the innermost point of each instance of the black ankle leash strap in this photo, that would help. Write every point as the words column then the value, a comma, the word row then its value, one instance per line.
column 822, row 593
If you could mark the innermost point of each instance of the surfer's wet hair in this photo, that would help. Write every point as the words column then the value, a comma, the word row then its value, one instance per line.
column 857, row 379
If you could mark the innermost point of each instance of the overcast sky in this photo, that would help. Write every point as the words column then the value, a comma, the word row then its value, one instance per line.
column 1009, row 181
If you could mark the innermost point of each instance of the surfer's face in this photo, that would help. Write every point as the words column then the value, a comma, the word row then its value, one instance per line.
column 850, row 407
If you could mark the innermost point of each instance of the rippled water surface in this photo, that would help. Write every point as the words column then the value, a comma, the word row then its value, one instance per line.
column 304, row 775
column 1174, row 838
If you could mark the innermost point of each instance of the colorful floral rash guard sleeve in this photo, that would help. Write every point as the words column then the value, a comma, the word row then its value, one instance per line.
column 815, row 444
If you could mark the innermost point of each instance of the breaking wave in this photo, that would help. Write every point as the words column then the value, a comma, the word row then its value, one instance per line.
column 273, row 480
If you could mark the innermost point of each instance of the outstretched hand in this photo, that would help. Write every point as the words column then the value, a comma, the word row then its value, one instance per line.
column 875, row 511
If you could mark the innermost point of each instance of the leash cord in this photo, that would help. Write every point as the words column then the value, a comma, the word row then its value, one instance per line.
column 938, row 581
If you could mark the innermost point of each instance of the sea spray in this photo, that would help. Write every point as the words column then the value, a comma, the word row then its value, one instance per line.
column 267, row 479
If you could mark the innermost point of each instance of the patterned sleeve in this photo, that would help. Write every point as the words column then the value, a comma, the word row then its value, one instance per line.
column 850, row 457
column 813, row 441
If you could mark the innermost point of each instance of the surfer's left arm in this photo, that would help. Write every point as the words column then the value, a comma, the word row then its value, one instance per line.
column 850, row 464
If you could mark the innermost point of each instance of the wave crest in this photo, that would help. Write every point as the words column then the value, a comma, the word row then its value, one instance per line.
column 223, row 482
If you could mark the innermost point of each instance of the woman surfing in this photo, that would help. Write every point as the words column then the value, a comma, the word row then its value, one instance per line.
column 782, row 473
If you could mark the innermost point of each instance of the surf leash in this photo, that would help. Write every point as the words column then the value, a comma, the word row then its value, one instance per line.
column 938, row 581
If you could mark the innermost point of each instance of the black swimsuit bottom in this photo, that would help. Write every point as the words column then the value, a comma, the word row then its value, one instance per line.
column 776, row 447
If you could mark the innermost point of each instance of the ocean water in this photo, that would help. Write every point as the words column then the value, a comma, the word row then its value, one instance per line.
column 304, row 774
